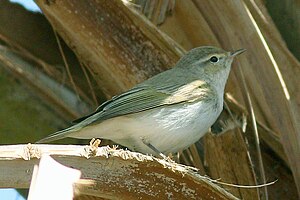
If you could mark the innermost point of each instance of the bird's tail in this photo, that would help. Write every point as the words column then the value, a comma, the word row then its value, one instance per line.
column 68, row 131
column 59, row 134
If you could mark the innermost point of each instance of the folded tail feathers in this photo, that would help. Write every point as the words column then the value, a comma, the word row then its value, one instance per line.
column 66, row 132
column 59, row 134
column 55, row 136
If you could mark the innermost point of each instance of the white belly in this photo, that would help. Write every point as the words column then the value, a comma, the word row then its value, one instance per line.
column 168, row 129
column 177, row 127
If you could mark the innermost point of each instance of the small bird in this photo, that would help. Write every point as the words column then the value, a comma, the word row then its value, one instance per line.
column 165, row 113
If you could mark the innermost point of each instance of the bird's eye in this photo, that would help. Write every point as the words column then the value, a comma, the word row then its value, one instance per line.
column 214, row 59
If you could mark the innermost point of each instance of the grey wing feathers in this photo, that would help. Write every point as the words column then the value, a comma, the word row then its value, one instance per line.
column 138, row 99
column 145, row 97
column 135, row 100
column 106, row 103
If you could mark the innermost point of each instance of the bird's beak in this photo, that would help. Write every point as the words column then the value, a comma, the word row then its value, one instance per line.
column 237, row 52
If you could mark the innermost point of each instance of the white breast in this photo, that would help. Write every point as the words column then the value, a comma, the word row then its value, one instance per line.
column 171, row 128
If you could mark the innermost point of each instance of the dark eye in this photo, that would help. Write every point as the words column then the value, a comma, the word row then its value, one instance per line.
column 214, row 59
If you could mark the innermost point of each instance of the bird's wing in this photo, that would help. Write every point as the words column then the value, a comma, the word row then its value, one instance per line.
column 135, row 100
column 145, row 97
column 140, row 98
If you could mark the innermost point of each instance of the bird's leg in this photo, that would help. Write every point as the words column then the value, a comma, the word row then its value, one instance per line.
column 156, row 150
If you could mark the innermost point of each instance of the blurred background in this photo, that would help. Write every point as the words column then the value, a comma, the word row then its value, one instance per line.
column 60, row 60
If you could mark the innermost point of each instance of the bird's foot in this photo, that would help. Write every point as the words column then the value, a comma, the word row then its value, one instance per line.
column 167, row 158
column 153, row 148
column 92, row 149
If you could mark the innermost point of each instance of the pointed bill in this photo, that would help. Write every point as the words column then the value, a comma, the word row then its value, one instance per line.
column 237, row 52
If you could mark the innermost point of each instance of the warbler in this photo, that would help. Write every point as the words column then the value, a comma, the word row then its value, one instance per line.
column 165, row 113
